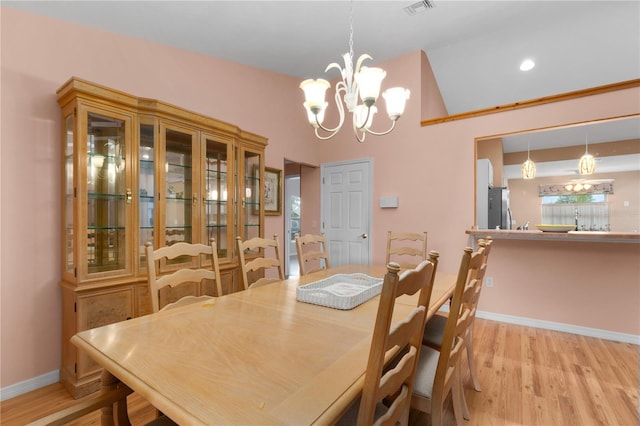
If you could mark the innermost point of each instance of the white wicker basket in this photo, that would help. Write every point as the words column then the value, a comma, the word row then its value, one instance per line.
column 340, row 291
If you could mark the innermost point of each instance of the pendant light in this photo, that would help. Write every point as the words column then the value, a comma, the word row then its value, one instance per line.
column 587, row 163
column 528, row 167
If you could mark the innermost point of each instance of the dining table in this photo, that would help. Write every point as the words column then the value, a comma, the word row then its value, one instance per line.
column 254, row 357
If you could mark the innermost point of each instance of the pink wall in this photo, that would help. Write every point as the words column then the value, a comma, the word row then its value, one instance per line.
column 39, row 54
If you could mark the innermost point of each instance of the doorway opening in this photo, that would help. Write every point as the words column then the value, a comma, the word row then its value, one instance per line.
column 301, row 208
column 292, row 218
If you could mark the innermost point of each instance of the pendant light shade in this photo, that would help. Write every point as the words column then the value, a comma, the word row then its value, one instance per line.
column 587, row 163
column 528, row 167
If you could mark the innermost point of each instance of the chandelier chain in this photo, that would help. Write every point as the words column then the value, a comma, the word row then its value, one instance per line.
column 351, row 29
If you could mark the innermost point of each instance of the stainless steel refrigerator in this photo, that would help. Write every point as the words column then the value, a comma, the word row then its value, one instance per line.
column 499, row 213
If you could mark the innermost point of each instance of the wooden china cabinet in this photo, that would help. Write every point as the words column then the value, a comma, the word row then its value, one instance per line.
column 139, row 170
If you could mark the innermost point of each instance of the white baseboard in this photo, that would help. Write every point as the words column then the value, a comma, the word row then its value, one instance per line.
column 557, row 326
column 566, row 328
column 29, row 385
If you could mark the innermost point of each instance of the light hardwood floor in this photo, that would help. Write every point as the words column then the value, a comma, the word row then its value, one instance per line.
column 529, row 376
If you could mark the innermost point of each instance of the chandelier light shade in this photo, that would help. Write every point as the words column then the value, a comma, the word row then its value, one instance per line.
column 528, row 167
column 587, row 165
column 363, row 83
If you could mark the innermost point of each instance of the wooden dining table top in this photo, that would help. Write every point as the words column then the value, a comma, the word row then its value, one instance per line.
column 253, row 357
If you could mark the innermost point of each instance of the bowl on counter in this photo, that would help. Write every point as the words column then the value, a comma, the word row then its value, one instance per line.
column 555, row 227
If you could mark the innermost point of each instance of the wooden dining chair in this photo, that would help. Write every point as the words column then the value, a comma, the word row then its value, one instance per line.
column 437, row 372
column 180, row 277
column 254, row 261
column 312, row 253
column 387, row 389
column 408, row 249
column 434, row 330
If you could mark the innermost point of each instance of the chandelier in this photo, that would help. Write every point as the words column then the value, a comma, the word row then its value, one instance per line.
column 363, row 82
column 587, row 163
column 528, row 167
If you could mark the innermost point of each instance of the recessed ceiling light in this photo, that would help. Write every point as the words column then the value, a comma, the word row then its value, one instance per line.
column 527, row 64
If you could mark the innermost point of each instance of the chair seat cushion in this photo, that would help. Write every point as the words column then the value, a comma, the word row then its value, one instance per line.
column 434, row 331
column 426, row 372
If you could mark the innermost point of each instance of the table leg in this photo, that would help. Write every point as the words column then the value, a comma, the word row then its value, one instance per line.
column 119, row 408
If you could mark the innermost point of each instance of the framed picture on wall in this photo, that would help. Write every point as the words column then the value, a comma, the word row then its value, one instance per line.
column 272, row 191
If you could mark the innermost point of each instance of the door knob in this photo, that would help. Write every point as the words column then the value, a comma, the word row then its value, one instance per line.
column 364, row 236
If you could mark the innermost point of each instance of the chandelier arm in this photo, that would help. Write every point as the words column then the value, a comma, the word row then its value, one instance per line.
column 324, row 138
column 340, row 112
column 393, row 126
column 357, row 131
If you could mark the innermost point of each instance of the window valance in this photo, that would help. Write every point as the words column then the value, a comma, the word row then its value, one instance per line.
column 570, row 189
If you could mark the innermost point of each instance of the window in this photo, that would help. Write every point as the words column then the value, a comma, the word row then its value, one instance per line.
column 590, row 212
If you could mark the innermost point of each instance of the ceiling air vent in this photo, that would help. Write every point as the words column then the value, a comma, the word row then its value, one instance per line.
column 419, row 7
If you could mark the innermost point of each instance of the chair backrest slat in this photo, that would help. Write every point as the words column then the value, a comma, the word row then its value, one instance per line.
column 407, row 249
column 258, row 261
column 198, row 252
column 313, row 254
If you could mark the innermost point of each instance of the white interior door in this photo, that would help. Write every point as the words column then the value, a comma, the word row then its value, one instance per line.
column 346, row 210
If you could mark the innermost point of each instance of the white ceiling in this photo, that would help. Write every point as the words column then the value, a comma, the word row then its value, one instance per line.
column 474, row 47
column 595, row 132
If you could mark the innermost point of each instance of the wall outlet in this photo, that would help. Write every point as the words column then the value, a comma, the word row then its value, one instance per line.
column 488, row 282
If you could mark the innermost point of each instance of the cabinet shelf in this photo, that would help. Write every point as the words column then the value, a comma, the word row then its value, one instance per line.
column 104, row 157
column 106, row 228
column 99, row 195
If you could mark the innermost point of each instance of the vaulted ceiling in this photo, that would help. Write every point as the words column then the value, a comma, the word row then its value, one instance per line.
column 475, row 47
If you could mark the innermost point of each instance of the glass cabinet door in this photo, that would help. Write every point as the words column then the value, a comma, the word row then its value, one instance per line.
column 250, row 189
column 108, row 192
column 218, row 196
column 178, row 187
column 146, row 188
column 69, row 195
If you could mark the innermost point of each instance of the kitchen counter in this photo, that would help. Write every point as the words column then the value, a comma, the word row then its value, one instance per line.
column 578, row 236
